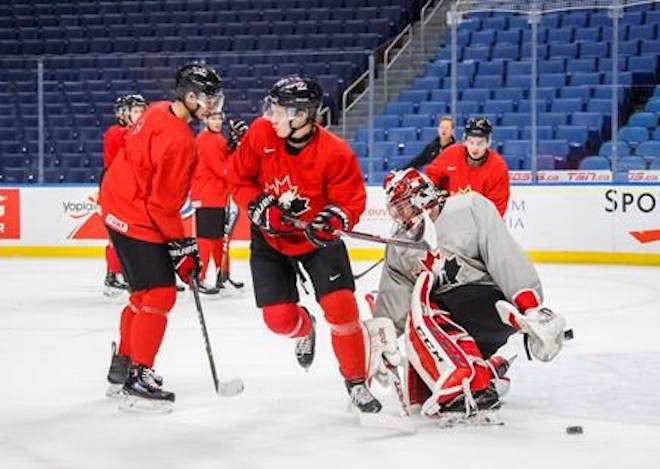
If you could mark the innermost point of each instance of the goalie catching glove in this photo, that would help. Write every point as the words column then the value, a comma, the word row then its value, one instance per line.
column 544, row 327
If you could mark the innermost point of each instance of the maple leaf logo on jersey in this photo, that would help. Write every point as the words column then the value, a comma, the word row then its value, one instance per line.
column 288, row 196
column 446, row 270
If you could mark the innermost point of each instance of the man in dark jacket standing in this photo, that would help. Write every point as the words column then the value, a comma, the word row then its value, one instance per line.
column 435, row 146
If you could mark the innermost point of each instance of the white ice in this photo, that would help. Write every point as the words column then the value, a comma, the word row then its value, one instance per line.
column 55, row 335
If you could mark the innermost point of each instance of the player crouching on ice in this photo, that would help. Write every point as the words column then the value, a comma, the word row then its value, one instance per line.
column 458, row 304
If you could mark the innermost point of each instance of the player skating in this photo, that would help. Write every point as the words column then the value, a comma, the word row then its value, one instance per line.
column 289, row 166
column 141, row 195
column 458, row 304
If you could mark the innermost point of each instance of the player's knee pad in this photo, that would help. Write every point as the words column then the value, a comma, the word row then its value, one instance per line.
column 287, row 319
column 341, row 312
column 158, row 300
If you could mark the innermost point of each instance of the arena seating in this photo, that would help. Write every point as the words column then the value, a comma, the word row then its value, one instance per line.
column 574, row 88
column 94, row 51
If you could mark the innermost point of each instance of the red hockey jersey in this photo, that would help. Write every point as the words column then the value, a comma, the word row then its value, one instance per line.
column 144, row 189
column 209, row 185
column 113, row 141
column 451, row 172
column 326, row 171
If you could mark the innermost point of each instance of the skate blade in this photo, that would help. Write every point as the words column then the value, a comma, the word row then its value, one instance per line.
column 144, row 406
column 385, row 422
column 482, row 418
column 114, row 391
column 231, row 388
column 112, row 292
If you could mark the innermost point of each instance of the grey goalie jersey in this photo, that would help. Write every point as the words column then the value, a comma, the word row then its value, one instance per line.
column 474, row 247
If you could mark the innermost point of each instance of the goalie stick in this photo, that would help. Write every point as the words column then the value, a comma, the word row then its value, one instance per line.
column 428, row 241
column 228, row 388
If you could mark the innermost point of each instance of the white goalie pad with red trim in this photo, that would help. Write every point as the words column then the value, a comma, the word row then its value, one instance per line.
column 433, row 351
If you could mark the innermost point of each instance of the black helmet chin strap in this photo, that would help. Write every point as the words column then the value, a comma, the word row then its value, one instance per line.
column 295, row 144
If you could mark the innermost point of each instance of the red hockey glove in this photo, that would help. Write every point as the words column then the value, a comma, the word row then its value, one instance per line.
column 265, row 212
column 237, row 128
column 323, row 229
column 185, row 257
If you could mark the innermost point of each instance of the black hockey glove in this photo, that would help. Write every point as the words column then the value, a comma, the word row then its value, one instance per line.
column 237, row 128
column 323, row 230
column 185, row 257
column 265, row 212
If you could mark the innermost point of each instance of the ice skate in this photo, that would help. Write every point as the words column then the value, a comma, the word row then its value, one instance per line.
column 207, row 289
column 143, row 393
column 361, row 398
column 113, row 285
column 118, row 373
column 306, row 346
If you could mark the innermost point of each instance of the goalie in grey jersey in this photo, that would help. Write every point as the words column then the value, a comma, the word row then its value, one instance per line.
column 459, row 302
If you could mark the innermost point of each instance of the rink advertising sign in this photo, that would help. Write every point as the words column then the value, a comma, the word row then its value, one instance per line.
column 10, row 214
column 553, row 222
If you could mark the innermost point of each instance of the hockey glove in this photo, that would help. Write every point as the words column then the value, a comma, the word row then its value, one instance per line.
column 323, row 230
column 237, row 128
column 544, row 327
column 185, row 257
column 265, row 212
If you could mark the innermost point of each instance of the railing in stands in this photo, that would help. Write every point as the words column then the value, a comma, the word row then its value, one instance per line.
column 424, row 19
column 387, row 64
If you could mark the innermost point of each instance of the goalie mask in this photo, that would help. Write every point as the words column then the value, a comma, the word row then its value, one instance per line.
column 408, row 193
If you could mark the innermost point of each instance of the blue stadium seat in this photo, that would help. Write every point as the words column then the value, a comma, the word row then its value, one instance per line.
column 412, row 149
column 477, row 53
column 506, row 51
column 482, row 38
column 502, row 133
column 359, row 148
column 362, row 135
column 566, row 105
column 516, row 148
column 417, row 121
column 498, row 106
column 655, row 163
column 579, row 78
column 581, row 65
column 648, row 149
column 428, row 133
column 588, row 34
column 402, row 134
column 524, row 105
column 468, row 108
column 643, row 119
column 653, row 105
column 553, row 119
column 427, row 83
column 384, row 150
column 386, row 121
column 583, row 92
column 594, row 162
column 552, row 66
column 543, row 162
column 565, row 50
column 554, row 147
column 633, row 135
column 560, row 35
column 577, row 136
column 499, row 22
column 623, row 149
column 552, row 79
column 594, row 49
column 628, row 163
column 545, row 132
column 512, row 162
column 414, row 96
column 592, row 120
column 476, row 94
column 579, row 19
column 511, row 36
column 399, row 108
column 518, row 119
column 487, row 81
column 512, row 94
column 494, row 67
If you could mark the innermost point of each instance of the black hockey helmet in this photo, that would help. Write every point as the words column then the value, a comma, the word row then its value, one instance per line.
column 202, row 80
column 133, row 100
column 297, row 93
column 478, row 127
column 121, row 105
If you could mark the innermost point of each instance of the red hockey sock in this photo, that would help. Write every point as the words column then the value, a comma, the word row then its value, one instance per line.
column 348, row 335
column 111, row 260
column 288, row 319
column 126, row 321
column 217, row 254
column 206, row 246
column 146, row 336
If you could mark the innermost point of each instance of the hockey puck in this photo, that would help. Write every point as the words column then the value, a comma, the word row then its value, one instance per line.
column 568, row 334
column 574, row 430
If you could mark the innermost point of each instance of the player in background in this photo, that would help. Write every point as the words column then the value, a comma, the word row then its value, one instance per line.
column 113, row 141
column 458, row 304
column 209, row 194
column 473, row 166
column 434, row 147
column 289, row 166
column 141, row 196
column 136, row 105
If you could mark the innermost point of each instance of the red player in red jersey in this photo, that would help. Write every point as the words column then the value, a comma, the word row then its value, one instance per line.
column 289, row 166
column 141, row 196
column 209, row 194
column 473, row 166
column 128, row 110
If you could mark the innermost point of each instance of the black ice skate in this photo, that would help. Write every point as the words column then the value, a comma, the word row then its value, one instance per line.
column 118, row 373
column 113, row 285
column 227, row 286
column 306, row 346
column 207, row 289
column 487, row 399
column 361, row 398
column 142, row 392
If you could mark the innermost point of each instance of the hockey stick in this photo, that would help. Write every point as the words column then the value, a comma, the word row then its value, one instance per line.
column 369, row 269
column 228, row 388
column 428, row 241
column 225, row 242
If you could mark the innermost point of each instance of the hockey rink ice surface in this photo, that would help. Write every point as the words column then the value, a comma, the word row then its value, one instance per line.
column 55, row 333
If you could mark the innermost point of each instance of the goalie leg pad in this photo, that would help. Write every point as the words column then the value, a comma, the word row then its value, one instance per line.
column 383, row 348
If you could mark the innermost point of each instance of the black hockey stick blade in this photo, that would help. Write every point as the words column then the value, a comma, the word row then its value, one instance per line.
column 228, row 388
